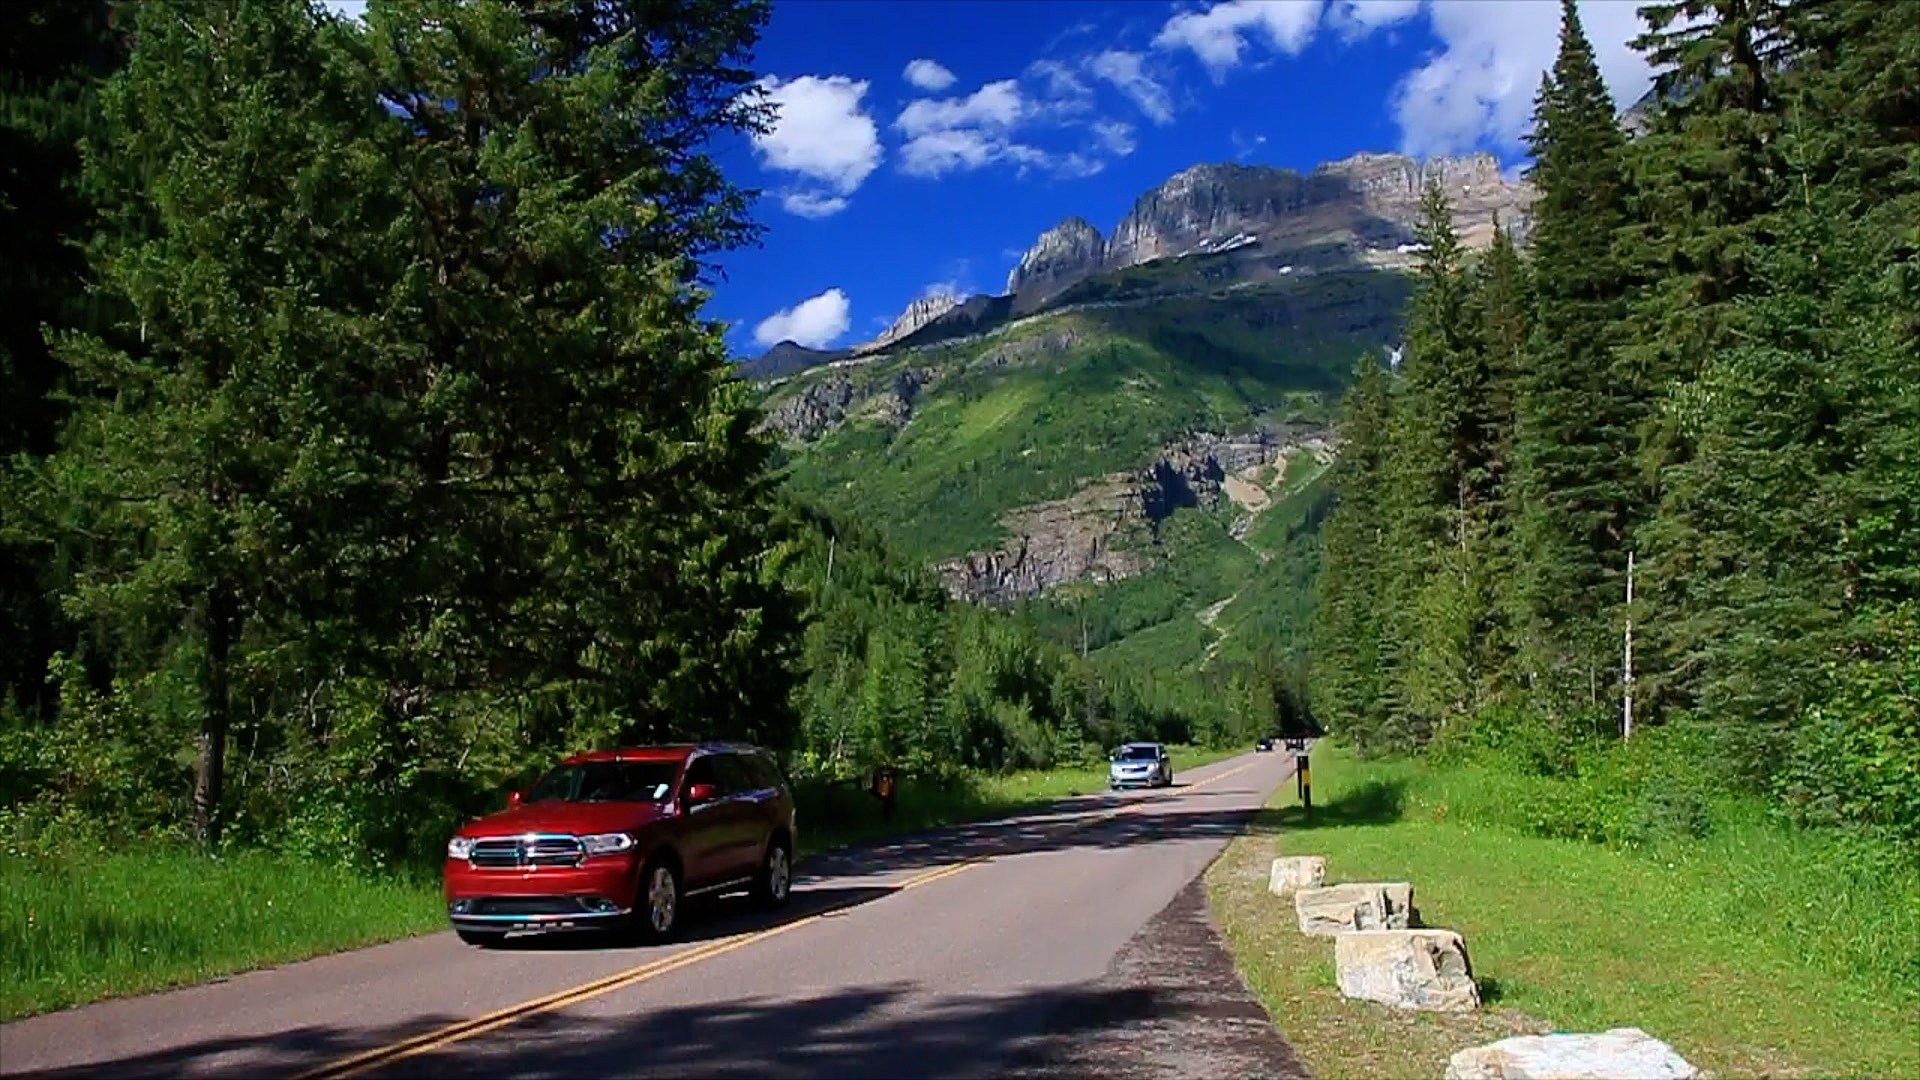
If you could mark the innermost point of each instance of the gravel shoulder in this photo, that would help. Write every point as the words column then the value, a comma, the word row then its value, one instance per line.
column 1173, row 1005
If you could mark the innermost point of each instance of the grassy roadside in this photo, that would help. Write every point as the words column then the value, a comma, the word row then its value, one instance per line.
column 1746, row 950
column 85, row 927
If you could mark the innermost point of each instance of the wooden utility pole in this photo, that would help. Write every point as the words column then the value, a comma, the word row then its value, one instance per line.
column 1626, row 703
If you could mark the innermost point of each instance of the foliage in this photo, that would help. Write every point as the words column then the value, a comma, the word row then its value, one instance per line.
column 1708, row 356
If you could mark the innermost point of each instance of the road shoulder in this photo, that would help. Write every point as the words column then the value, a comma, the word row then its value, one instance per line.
column 1171, row 1005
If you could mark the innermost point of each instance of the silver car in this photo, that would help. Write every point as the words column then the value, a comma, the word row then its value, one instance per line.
column 1140, row 764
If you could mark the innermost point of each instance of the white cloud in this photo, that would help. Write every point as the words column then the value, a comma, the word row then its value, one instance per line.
column 1127, row 72
column 928, row 75
column 1115, row 136
column 1215, row 35
column 996, row 106
column 821, row 134
column 961, row 134
column 814, row 322
column 1479, row 89
column 812, row 204
column 1358, row 18
column 1476, row 90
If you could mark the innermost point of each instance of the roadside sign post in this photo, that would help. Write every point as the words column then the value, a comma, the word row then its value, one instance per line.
column 1306, row 786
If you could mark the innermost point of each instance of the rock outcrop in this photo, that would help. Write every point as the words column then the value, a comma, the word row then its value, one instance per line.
column 1064, row 254
column 1620, row 1053
column 1406, row 969
column 918, row 314
column 1341, row 909
column 825, row 403
column 1081, row 537
column 1291, row 873
column 1052, row 543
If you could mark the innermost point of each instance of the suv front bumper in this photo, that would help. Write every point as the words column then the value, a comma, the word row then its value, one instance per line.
column 596, row 893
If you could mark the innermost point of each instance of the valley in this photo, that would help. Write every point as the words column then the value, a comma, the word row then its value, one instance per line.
column 1128, row 445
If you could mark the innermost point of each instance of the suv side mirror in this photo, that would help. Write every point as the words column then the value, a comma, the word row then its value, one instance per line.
column 513, row 799
column 699, row 793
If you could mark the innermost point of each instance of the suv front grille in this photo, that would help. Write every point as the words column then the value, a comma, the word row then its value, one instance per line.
column 516, row 852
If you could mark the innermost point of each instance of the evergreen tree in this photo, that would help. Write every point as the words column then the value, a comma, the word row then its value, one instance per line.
column 1576, row 420
column 1346, row 661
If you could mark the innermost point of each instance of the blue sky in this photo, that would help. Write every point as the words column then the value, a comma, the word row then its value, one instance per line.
column 922, row 145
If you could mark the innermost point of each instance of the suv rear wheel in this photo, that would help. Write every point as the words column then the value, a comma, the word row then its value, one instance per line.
column 774, row 883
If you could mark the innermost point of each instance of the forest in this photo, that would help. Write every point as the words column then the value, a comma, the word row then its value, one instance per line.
column 365, row 447
column 1639, row 507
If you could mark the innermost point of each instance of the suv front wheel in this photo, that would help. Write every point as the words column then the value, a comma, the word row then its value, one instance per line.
column 774, row 883
column 656, row 910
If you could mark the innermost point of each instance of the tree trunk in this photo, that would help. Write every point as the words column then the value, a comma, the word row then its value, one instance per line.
column 209, row 777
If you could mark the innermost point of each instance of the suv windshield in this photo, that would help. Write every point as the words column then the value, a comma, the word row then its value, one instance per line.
column 606, row 781
column 1139, row 753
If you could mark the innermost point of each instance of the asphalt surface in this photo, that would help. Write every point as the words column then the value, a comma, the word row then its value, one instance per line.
column 1073, row 940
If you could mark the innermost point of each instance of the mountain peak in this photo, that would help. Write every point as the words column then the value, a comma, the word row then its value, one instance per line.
column 918, row 314
column 1064, row 253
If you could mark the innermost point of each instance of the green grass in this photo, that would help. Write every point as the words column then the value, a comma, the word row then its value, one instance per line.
column 85, row 926
column 1755, row 951
column 80, row 928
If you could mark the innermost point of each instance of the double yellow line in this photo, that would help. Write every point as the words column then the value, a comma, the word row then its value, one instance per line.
column 379, row 1056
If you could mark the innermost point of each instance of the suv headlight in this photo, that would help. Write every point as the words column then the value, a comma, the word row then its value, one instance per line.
column 460, row 847
column 606, row 843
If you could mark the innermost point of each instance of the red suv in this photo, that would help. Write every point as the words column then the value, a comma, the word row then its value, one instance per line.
column 617, row 838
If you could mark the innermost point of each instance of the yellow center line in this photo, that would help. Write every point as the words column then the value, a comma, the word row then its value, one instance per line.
column 367, row 1060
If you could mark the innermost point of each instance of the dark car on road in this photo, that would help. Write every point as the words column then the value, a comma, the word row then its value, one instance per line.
column 616, row 839
column 1265, row 744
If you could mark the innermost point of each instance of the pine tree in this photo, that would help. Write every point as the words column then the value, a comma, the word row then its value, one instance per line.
column 1435, row 505
column 1576, row 420
column 1347, row 659
column 1707, row 178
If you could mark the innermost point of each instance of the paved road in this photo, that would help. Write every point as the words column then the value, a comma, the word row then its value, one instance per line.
column 953, row 953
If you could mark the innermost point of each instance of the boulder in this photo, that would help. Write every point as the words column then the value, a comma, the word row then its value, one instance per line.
column 1407, row 969
column 1620, row 1054
column 1338, row 909
column 1292, row 873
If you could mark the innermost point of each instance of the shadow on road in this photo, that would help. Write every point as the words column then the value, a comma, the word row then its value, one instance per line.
column 861, row 1032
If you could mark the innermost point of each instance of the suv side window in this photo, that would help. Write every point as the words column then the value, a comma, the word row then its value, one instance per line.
column 769, row 773
column 701, row 771
column 737, row 777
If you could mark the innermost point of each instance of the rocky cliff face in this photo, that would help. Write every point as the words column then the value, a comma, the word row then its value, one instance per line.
column 1368, row 201
column 1064, row 254
column 918, row 314
column 1083, row 537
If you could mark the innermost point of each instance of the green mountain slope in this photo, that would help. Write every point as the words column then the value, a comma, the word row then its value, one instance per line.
column 1135, row 469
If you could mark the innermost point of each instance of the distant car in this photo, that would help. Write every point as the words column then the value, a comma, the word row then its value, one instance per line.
column 1265, row 744
column 616, row 839
column 1140, row 764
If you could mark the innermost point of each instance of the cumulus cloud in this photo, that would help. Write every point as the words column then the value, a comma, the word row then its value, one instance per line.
column 1115, row 136
column 1478, row 90
column 821, row 134
column 814, row 322
column 964, row 133
column 1218, row 34
column 928, row 75
column 1475, row 90
column 1127, row 72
